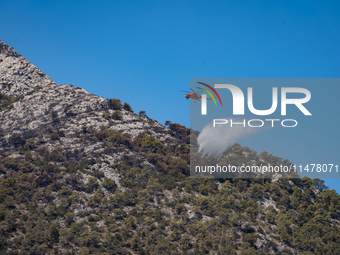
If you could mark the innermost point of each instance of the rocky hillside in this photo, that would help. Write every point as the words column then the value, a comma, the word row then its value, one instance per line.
column 17, row 75
column 81, row 174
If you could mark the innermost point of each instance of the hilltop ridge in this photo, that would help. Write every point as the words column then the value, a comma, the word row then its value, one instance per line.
column 17, row 75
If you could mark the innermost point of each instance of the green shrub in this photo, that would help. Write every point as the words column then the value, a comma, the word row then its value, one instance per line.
column 106, row 115
column 116, row 116
column 16, row 139
column 250, row 238
column 203, row 202
column 92, row 184
column 151, row 145
column 110, row 185
column 6, row 101
column 178, row 128
column 260, row 230
column 54, row 136
column 142, row 114
column 96, row 173
column 28, row 156
column 127, row 107
column 188, row 188
column 115, row 104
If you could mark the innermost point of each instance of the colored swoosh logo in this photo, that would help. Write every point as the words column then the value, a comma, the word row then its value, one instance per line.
column 207, row 91
column 208, row 86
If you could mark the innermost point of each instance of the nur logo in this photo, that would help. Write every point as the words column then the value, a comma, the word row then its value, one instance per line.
column 238, row 99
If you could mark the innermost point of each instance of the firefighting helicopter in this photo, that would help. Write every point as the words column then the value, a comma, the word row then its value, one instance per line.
column 194, row 95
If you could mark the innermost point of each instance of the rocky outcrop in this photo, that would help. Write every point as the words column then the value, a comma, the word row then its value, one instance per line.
column 42, row 108
column 17, row 75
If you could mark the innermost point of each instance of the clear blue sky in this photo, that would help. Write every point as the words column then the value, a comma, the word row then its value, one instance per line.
column 144, row 52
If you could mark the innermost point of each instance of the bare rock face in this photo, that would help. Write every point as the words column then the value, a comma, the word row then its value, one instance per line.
column 60, row 117
column 40, row 105
column 49, row 106
column 17, row 75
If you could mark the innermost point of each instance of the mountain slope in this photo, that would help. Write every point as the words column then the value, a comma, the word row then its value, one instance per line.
column 84, row 175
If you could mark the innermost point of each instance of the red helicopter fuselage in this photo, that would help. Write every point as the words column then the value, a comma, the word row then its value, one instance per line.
column 195, row 96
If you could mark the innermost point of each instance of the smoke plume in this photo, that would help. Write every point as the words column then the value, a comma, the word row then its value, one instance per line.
column 215, row 140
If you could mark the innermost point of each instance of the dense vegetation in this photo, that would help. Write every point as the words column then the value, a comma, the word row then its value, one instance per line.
column 53, row 203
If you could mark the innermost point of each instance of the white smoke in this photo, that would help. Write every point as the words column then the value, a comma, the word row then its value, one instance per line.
column 215, row 140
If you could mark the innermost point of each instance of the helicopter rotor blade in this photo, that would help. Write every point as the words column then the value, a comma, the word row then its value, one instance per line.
column 185, row 91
